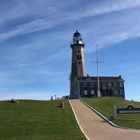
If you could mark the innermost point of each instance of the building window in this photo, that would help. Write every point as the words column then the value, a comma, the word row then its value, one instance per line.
column 109, row 84
column 121, row 84
column 103, row 84
column 116, row 92
column 115, row 84
column 85, row 84
column 85, row 92
column 121, row 92
column 92, row 92
column 92, row 84
column 95, row 84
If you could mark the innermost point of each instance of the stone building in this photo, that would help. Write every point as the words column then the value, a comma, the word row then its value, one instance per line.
column 82, row 85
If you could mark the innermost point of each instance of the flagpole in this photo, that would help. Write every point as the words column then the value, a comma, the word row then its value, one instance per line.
column 98, row 79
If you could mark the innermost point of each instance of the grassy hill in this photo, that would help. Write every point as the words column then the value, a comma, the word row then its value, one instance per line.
column 105, row 105
column 38, row 120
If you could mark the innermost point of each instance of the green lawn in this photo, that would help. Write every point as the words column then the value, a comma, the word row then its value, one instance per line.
column 38, row 120
column 105, row 105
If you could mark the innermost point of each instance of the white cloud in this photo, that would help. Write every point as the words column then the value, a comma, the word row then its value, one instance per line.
column 110, row 6
column 56, row 16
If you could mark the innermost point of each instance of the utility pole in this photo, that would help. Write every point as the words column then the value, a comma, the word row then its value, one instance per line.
column 98, row 79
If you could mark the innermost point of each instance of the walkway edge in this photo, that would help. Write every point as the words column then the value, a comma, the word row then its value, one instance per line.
column 78, row 122
column 102, row 116
column 109, row 122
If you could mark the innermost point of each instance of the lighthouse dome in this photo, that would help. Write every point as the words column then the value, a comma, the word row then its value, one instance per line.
column 77, row 39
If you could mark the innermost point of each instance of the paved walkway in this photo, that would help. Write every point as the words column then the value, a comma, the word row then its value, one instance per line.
column 96, row 128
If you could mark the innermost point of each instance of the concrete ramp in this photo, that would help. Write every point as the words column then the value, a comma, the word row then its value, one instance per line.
column 95, row 128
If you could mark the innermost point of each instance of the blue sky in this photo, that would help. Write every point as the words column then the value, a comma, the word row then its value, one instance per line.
column 35, row 37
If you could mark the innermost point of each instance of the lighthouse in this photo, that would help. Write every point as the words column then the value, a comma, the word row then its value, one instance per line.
column 78, row 64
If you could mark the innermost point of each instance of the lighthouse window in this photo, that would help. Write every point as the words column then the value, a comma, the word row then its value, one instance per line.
column 79, row 63
column 78, row 51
